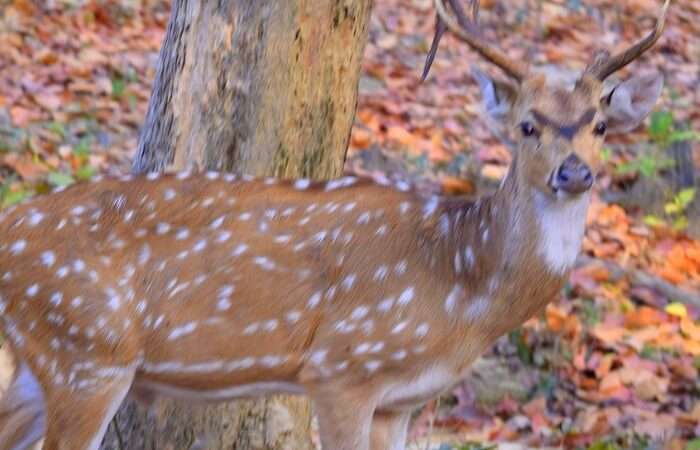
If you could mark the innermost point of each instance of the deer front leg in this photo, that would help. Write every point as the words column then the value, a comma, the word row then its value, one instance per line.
column 389, row 430
column 78, row 420
column 344, row 418
column 22, row 415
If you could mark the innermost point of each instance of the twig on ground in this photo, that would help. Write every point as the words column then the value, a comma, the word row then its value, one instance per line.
column 640, row 278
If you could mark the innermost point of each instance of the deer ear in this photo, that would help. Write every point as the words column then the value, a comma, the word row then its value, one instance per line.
column 498, row 98
column 631, row 101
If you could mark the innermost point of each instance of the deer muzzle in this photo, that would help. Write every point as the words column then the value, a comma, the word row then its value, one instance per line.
column 573, row 176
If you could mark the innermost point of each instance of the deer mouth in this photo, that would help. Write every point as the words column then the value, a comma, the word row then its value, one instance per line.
column 573, row 177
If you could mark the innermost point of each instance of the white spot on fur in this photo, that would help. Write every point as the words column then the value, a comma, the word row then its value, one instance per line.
column 399, row 327
column 318, row 357
column 373, row 365
column 453, row 297
column 223, row 304
column 469, row 257
column 302, row 184
column 293, row 316
column 184, row 330
column 33, row 290
column 239, row 250
column 340, row 183
column 422, row 330
column 48, row 258
column 314, row 300
column 381, row 273
column 430, row 207
column 217, row 222
column 359, row 313
column 349, row 281
column 401, row 267
column 265, row 263
column 406, row 296
column 386, row 304
column 399, row 355
column 362, row 348
column 252, row 328
column 18, row 247
column 200, row 245
column 56, row 298
column 476, row 308
column 35, row 218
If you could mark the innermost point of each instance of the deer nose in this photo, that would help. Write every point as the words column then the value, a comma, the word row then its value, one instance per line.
column 574, row 176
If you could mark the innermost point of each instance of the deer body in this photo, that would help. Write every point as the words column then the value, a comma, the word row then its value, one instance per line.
column 208, row 289
column 369, row 298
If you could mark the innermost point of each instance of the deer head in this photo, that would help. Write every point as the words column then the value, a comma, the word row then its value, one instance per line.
column 558, row 131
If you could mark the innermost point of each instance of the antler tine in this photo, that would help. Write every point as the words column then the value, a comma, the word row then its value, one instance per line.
column 608, row 66
column 468, row 31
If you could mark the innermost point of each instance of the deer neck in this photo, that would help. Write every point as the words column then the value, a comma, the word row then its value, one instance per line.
column 510, row 252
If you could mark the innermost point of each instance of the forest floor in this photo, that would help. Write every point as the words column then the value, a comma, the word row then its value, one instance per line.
column 613, row 363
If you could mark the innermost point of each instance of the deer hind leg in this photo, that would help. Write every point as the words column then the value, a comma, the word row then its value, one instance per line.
column 22, row 413
column 389, row 430
column 78, row 420
column 344, row 419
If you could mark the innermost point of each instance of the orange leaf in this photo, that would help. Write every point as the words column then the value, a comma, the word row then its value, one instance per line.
column 22, row 116
column 690, row 329
column 454, row 185
column 361, row 138
column 642, row 317
column 671, row 275
column 401, row 135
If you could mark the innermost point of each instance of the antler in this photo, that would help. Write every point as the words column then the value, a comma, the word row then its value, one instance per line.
column 607, row 66
column 469, row 32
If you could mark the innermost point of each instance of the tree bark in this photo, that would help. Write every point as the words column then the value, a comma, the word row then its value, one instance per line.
column 264, row 87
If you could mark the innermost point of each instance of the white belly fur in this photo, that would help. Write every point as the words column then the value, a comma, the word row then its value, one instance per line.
column 216, row 395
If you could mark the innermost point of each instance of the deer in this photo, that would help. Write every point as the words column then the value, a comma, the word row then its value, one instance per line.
column 367, row 295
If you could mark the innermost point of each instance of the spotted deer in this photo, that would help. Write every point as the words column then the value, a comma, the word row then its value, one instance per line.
column 367, row 296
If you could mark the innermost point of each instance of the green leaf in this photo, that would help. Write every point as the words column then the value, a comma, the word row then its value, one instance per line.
column 13, row 197
column 654, row 221
column 680, row 224
column 672, row 208
column 60, row 179
column 118, row 87
column 82, row 149
column 661, row 125
column 57, row 128
column 647, row 166
column 627, row 168
column 693, row 445
column 678, row 136
column 686, row 197
column 605, row 154
column 85, row 173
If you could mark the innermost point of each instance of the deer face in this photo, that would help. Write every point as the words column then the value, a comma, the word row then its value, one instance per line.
column 559, row 131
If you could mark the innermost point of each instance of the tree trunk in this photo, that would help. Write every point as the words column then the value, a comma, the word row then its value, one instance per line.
column 264, row 87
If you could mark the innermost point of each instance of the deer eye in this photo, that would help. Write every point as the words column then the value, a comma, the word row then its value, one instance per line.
column 600, row 128
column 527, row 128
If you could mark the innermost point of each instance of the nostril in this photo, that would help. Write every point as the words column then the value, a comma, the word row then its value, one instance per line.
column 588, row 176
column 562, row 175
